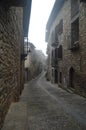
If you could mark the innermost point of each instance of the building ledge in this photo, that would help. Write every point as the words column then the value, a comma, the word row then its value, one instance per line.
column 75, row 46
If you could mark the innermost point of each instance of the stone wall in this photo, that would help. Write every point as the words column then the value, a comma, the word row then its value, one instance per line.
column 11, row 47
column 72, row 59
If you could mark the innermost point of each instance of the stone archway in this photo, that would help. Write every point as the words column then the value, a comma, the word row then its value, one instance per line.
column 56, row 76
column 71, row 77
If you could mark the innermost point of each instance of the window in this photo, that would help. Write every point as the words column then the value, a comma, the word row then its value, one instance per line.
column 60, row 52
column 59, row 29
column 74, row 8
column 75, row 32
column 56, row 52
column 53, row 37
column 52, row 53
column 74, row 25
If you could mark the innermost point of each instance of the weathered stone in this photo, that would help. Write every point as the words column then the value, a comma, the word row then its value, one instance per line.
column 73, row 60
column 11, row 66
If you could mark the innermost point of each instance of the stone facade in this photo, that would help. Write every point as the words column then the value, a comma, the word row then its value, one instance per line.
column 11, row 38
column 67, row 47
column 34, row 63
column 11, row 61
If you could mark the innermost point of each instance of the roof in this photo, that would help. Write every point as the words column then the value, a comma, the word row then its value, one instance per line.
column 56, row 8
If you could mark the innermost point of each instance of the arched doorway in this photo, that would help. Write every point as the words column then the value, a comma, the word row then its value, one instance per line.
column 71, row 77
column 56, row 76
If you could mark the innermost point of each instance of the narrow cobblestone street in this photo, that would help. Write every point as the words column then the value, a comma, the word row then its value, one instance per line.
column 43, row 65
column 44, row 106
column 51, row 108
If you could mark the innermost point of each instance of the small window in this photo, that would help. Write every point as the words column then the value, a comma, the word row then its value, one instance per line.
column 60, row 52
column 59, row 29
column 75, row 31
column 74, row 8
column 53, row 37
column 52, row 53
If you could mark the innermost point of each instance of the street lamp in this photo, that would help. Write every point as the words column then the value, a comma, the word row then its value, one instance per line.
column 26, row 46
column 26, row 49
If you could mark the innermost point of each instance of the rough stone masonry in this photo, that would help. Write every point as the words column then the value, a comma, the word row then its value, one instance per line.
column 11, row 44
column 71, row 70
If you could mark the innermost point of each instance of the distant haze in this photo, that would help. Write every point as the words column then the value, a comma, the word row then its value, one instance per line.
column 41, row 10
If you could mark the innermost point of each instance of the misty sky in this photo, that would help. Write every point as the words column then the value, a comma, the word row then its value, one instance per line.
column 40, row 12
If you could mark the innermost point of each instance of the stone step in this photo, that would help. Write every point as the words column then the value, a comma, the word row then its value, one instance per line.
column 16, row 118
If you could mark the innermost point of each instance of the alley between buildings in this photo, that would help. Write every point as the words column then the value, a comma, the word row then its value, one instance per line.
column 48, row 107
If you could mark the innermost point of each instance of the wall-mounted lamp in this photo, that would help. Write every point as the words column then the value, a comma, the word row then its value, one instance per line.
column 26, row 48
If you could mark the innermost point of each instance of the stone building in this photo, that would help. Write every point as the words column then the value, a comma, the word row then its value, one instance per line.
column 66, row 49
column 14, row 22
column 34, row 63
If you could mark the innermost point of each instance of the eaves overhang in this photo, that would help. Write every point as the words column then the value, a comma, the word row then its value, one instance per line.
column 27, row 12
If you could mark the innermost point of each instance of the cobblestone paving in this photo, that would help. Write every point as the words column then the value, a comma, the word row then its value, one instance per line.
column 51, row 108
